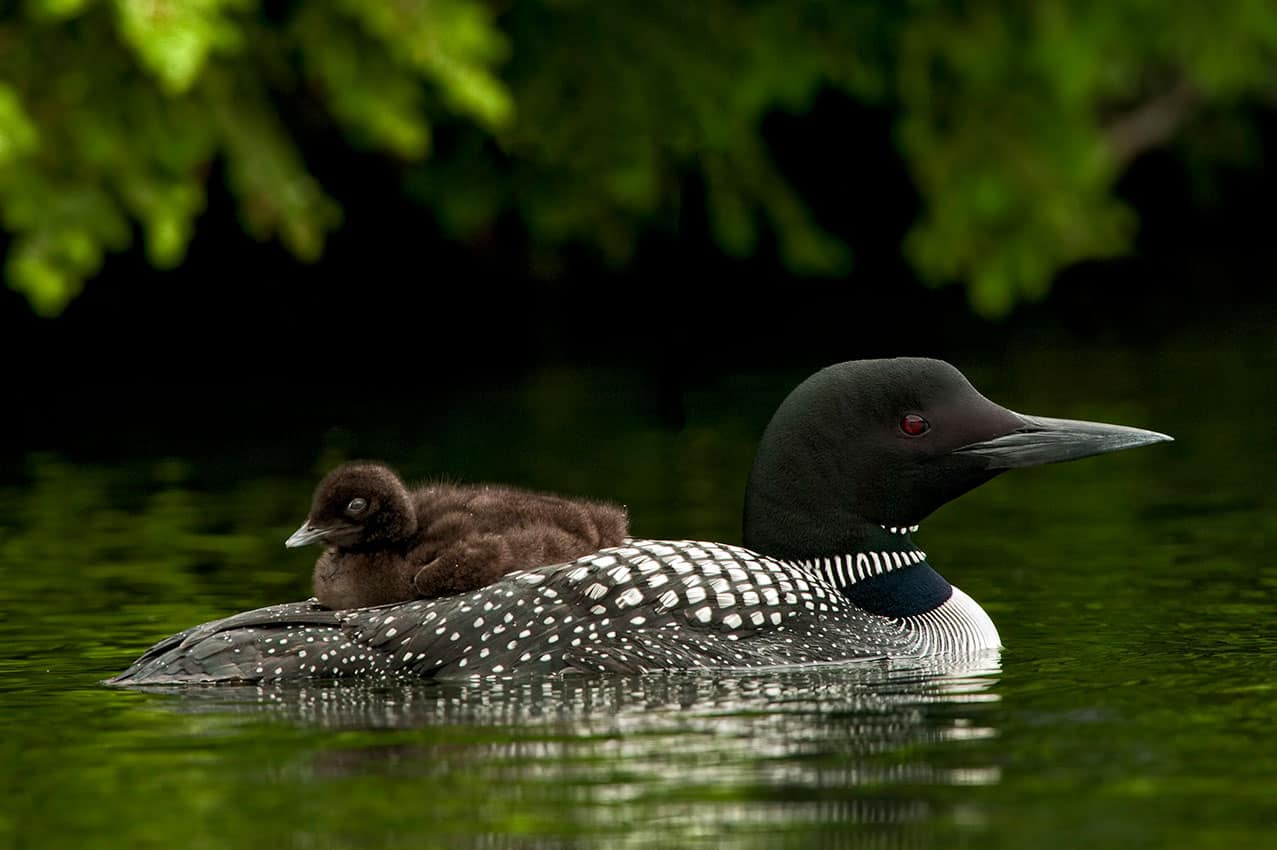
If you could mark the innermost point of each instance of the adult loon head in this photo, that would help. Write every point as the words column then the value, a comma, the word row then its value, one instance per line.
column 874, row 444
column 862, row 452
column 853, row 458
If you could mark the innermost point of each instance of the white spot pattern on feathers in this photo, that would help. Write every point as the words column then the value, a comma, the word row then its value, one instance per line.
column 713, row 601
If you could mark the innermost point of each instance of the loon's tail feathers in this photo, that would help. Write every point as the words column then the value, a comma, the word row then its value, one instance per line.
column 235, row 648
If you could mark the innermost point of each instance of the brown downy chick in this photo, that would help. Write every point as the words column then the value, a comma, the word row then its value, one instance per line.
column 385, row 543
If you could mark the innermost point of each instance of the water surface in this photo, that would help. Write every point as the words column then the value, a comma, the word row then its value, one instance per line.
column 1133, row 705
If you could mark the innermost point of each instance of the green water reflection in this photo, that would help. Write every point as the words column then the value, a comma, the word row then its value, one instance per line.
column 1133, row 706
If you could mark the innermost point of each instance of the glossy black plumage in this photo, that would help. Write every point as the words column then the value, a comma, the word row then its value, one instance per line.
column 387, row 543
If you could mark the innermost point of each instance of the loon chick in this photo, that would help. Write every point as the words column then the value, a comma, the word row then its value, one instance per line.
column 852, row 461
column 386, row 543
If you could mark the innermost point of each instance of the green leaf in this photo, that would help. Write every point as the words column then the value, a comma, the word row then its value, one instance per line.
column 174, row 38
column 378, row 103
column 18, row 135
column 453, row 42
column 58, row 8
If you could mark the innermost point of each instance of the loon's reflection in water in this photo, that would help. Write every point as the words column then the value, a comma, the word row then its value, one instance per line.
column 847, row 744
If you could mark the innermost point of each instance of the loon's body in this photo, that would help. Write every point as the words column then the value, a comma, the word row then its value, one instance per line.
column 645, row 605
column 852, row 461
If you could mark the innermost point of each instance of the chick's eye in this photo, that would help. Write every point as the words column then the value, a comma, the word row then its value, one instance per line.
column 914, row 425
column 356, row 505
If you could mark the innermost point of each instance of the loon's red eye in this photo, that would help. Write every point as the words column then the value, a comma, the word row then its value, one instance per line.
column 914, row 425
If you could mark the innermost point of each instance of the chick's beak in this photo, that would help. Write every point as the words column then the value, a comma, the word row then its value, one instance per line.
column 306, row 534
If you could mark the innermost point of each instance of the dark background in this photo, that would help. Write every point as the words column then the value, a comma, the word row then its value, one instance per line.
column 375, row 320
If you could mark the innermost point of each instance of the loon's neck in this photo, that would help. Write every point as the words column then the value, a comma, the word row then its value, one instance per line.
column 885, row 574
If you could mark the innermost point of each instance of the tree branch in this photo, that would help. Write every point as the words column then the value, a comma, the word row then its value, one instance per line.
column 1152, row 122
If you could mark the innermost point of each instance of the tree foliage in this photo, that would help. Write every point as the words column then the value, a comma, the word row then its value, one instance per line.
column 584, row 118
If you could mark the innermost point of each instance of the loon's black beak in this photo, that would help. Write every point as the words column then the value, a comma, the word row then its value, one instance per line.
column 1045, row 440
column 307, row 534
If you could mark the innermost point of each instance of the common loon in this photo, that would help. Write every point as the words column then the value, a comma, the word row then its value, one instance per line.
column 852, row 461
column 386, row 543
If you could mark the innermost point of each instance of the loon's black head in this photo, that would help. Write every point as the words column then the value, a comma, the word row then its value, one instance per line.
column 358, row 504
column 872, row 443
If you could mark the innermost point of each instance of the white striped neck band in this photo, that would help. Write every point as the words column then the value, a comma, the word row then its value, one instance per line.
column 846, row 570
